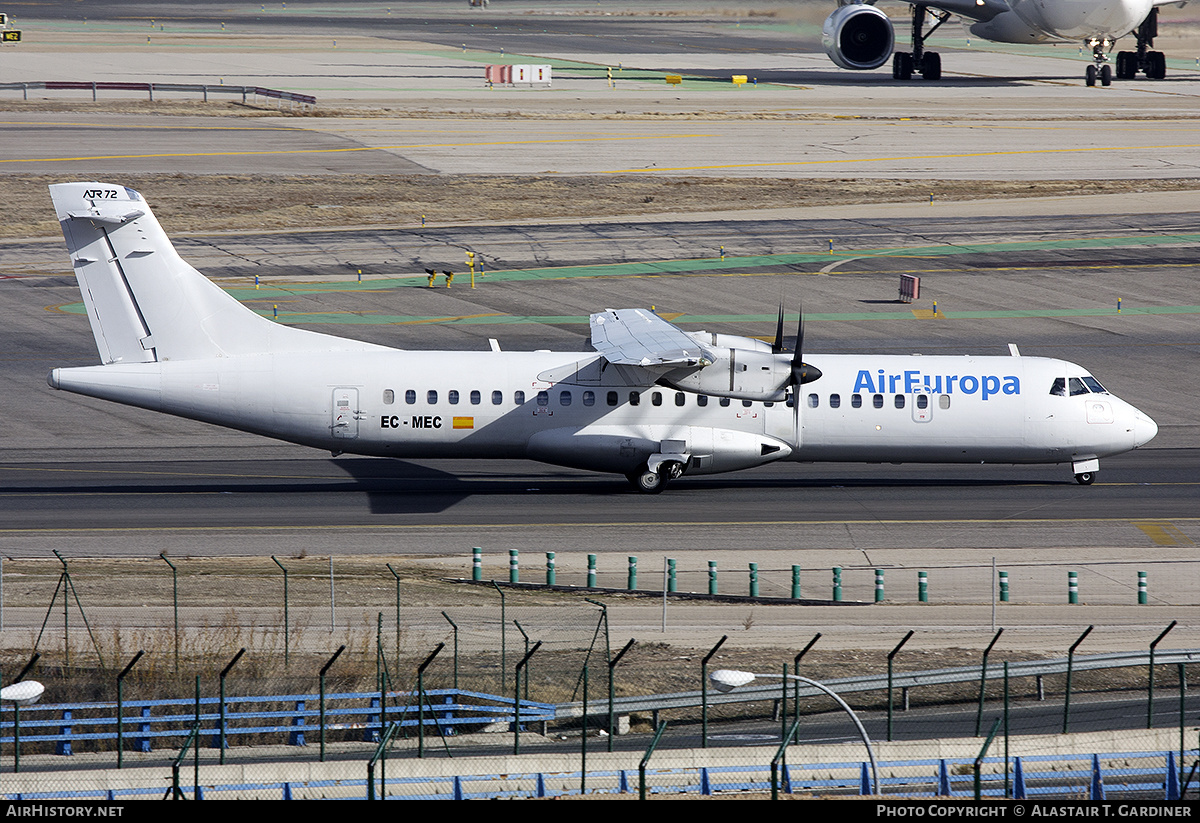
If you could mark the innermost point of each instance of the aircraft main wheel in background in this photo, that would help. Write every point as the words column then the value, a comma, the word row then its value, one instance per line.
column 1157, row 69
column 648, row 482
column 1106, row 75
column 1090, row 77
column 1126, row 65
column 931, row 66
column 1085, row 478
column 902, row 66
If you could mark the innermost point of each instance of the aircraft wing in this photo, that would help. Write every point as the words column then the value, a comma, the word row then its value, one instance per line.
column 639, row 337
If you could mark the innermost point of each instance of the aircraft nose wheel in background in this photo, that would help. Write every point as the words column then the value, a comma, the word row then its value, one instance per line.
column 1085, row 478
column 1100, row 67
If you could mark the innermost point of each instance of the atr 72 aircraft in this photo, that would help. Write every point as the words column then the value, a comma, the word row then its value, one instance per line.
column 859, row 36
column 651, row 401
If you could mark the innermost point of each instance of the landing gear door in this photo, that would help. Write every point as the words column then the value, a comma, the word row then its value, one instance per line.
column 345, row 413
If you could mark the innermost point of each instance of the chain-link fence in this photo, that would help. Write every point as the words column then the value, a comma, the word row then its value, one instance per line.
column 312, row 677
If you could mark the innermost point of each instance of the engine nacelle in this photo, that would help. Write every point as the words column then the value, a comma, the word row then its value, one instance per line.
column 858, row 36
column 743, row 374
column 729, row 341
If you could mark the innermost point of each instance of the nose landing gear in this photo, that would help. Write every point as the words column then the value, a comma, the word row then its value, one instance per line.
column 1100, row 69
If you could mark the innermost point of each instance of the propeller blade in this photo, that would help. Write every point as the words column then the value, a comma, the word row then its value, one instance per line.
column 777, row 346
column 801, row 371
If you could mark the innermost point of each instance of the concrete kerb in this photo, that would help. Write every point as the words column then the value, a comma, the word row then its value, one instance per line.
column 838, row 755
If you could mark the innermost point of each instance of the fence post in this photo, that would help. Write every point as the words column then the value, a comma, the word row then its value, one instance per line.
column 837, row 583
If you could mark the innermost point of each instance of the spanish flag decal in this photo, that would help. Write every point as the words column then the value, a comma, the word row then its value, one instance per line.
column 464, row 422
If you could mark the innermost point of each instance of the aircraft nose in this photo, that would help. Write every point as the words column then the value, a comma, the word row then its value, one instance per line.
column 1144, row 429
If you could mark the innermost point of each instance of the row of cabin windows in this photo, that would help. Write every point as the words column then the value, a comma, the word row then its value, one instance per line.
column 612, row 398
column 565, row 398
column 898, row 400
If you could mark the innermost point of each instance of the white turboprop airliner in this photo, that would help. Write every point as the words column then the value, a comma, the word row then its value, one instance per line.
column 650, row 402
column 859, row 36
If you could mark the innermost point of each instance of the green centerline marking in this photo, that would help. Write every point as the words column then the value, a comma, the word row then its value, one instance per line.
column 729, row 266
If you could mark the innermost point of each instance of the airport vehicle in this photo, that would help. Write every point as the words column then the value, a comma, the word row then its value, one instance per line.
column 650, row 401
column 860, row 36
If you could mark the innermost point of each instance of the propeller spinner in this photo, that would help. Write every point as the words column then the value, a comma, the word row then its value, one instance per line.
column 801, row 372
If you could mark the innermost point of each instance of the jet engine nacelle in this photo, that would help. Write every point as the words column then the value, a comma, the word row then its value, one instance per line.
column 743, row 374
column 858, row 36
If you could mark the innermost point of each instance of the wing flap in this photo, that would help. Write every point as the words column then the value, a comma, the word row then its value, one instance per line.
column 639, row 337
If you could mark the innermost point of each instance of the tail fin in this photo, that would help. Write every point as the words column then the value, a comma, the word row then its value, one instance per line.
column 144, row 302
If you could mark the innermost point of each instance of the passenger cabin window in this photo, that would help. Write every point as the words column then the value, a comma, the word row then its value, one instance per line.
column 431, row 397
column 813, row 401
column 564, row 398
column 634, row 398
column 702, row 400
column 497, row 398
column 519, row 398
column 856, row 401
column 389, row 397
column 543, row 398
column 410, row 396
column 656, row 398
column 679, row 398
column 899, row 401
column 922, row 401
column 747, row 403
column 612, row 398
column 589, row 398
column 475, row 398
column 724, row 401
column 452, row 396
column 943, row 401
column 877, row 401
column 835, row 401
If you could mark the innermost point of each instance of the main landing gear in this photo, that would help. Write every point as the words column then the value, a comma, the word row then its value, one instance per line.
column 1085, row 478
column 653, row 481
column 927, row 63
column 1151, row 63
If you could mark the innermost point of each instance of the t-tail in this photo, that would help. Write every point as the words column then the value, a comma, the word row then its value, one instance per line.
column 146, row 304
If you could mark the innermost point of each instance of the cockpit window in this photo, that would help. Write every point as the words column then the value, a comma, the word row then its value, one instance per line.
column 1059, row 387
column 1077, row 386
column 1094, row 384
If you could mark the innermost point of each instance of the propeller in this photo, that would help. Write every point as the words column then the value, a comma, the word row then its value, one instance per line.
column 801, row 372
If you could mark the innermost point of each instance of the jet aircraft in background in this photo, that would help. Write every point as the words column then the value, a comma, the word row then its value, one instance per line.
column 860, row 36
column 650, row 401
